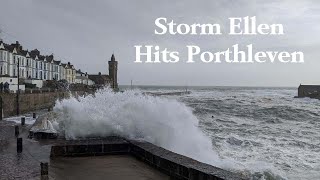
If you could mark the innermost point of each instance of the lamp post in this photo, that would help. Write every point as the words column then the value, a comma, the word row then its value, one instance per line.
column 18, row 89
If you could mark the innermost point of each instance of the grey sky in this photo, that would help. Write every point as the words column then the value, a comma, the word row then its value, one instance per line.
column 87, row 32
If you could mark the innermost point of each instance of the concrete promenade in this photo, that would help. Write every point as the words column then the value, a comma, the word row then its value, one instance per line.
column 117, row 167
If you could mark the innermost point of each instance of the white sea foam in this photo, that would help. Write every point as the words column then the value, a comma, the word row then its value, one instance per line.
column 164, row 122
column 272, row 134
column 170, row 124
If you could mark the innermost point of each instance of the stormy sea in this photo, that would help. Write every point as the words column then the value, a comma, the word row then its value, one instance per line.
column 263, row 133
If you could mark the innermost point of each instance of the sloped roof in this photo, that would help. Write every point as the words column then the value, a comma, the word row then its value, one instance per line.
column 80, row 72
column 41, row 57
column 34, row 53
column 1, row 43
column 49, row 58
column 64, row 65
column 23, row 52
column 56, row 62
column 99, row 79
column 8, row 47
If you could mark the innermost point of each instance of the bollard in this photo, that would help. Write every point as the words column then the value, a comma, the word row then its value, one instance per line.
column 16, row 130
column 34, row 115
column 19, row 145
column 23, row 121
column 44, row 171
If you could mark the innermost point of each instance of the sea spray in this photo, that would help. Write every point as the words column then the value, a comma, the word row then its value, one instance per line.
column 163, row 122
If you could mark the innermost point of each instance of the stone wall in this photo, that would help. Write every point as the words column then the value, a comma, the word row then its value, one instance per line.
column 172, row 164
column 311, row 91
column 32, row 102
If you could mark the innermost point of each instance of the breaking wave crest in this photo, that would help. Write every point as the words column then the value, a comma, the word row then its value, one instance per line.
column 163, row 122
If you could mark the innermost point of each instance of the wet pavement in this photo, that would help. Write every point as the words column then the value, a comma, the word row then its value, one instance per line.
column 131, row 165
column 117, row 167
column 26, row 165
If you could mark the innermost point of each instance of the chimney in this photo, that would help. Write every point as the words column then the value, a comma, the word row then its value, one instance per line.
column 99, row 73
column 36, row 52
column 17, row 46
column 69, row 63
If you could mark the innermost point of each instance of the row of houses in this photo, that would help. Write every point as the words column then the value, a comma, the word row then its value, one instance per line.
column 35, row 68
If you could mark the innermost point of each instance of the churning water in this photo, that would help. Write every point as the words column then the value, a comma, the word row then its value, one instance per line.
column 263, row 132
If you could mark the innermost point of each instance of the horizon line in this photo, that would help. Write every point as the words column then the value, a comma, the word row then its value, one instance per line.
column 213, row 86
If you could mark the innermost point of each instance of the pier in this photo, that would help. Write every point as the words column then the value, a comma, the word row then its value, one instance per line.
column 174, row 93
column 311, row 91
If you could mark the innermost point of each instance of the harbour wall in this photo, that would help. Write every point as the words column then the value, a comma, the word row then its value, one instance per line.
column 175, row 165
column 311, row 91
column 33, row 101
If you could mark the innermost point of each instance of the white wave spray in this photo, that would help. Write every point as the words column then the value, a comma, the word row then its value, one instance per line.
column 163, row 122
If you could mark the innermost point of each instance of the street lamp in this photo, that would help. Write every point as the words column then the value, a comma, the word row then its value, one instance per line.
column 18, row 89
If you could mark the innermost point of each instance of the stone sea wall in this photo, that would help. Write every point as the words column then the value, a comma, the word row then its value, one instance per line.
column 33, row 101
column 311, row 91
column 175, row 165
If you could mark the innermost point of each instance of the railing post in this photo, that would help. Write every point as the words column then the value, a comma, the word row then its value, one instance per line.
column 19, row 145
column 16, row 130
column 44, row 171
column 23, row 121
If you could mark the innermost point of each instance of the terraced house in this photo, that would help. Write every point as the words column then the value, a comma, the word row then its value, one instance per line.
column 33, row 67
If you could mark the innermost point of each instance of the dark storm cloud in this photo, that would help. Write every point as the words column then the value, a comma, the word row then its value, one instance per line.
column 87, row 32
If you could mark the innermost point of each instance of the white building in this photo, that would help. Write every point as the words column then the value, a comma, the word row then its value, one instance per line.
column 13, row 83
column 34, row 68
column 83, row 78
